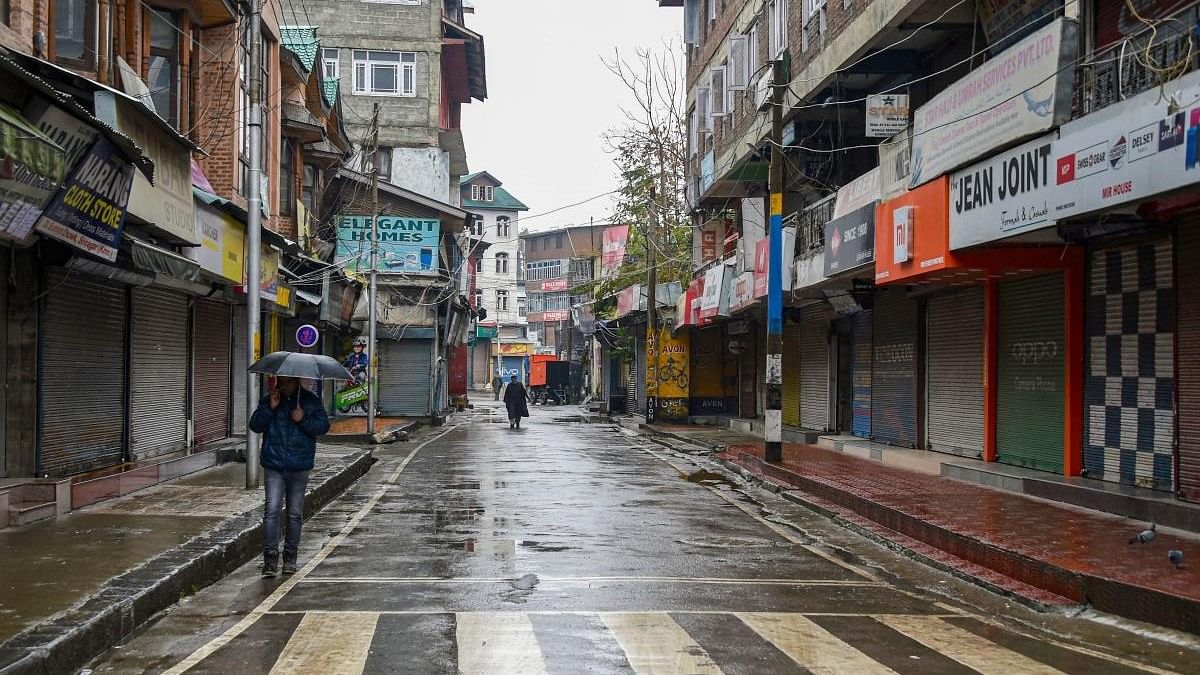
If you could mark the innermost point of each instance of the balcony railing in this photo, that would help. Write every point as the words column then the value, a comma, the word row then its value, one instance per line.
column 1128, row 68
column 810, row 225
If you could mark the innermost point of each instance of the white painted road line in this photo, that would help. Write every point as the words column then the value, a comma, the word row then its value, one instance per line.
column 332, row 643
column 811, row 646
column 498, row 643
column 656, row 645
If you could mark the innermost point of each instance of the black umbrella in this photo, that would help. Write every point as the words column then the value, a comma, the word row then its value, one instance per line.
column 306, row 366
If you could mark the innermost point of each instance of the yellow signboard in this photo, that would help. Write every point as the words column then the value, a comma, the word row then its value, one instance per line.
column 514, row 349
column 668, row 375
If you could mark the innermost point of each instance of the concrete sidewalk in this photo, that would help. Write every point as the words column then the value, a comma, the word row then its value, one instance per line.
column 72, row 586
column 1065, row 553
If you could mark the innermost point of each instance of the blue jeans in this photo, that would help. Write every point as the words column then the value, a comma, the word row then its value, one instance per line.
column 291, row 484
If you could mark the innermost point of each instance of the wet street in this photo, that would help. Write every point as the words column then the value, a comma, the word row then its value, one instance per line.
column 575, row 547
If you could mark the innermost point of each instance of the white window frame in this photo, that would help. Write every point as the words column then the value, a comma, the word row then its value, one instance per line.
column 479, row 297
column 693, row 132
column 738, row 74
column 405, row 74
column 330, row 61
column 502, row 301
column 501, row 263
column 489, row 193
column 777, row 13
column 719, row 103
column 712, row 10
column 752, row 64
column 503, row 226
column 691, row 22
column 703, row 99
column 474, row 193
column 812, row 8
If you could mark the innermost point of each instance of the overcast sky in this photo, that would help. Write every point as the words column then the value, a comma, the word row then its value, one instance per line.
column 550, row 97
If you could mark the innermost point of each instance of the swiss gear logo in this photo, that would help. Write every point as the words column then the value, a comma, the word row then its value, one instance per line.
column 1066, row 169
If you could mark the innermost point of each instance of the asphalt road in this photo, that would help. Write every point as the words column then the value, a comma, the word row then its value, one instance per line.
column 573, row 547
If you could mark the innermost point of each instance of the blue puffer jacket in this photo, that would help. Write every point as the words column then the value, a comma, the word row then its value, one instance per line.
column 287, row 446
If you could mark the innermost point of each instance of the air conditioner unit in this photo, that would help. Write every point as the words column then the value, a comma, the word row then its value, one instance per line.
column 762, row 91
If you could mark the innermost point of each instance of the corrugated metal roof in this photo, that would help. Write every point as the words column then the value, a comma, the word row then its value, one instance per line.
column 503, row 201
column 302, row 41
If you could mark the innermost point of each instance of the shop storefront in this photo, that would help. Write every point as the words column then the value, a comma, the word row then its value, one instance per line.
column 954, row 372
column 790, row 389
column 1187, row 346
column 894, row 368
column 406, row 375
column 814, row 367
column 158, row 394
column 860, row 373
column 212, row 363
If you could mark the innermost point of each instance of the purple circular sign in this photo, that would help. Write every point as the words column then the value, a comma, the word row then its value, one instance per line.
column 307, row 335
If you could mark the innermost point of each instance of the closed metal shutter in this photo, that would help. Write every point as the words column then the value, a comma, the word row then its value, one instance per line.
column 791, row 374
column 479, row 362
column 211, row 396
column 1129, row 385
column 894, row 368
column 814, row 368
column 954, row 373
column 241, row 361
column 158, row 375
column 81, row 374
column 406, row 380
column 1188, row 346
column 861, row 374
column 1029, row 400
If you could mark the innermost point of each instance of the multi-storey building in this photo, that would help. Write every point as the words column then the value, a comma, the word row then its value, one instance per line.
column 495, row 215
column 985, row 216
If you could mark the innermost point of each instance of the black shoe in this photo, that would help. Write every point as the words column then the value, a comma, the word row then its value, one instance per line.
column 289, row 568
column 269, row 569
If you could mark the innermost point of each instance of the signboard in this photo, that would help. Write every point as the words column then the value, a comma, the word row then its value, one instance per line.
column 887, row 115
column 742, row 291
column 710, row 302
column 307, row 336
column 668, row 375
column 902, row 232
column 850, row 240
column 1128, row 151
column 613, row 252
column 895, row 157
column 556, row 315
column 628, row 299
column 406, row 245
column 554, row 285
column 762, row 261
column 268, row 270
column 1023, row 91
column 32, row 168
column 168, row 202
column 222, row 243
column 857, row 193
column 89, row 211
column 1002, row 196
column 514, row 348
column 487, row 332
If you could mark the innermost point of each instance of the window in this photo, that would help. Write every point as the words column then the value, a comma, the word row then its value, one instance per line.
column 489, row 193
column 287, row 178
column 691, row 22
column 479, row 264
column 478, row 297
column 476, row 225
column 75, row 28
column 501, row 263
column 309, row 184
column 543, row 269
column 752, row 64
column 382, row 162
column 703, row 99
column 738, row 75
column 162, row 74
column 558, row 240
column 712, row 10
column 329, row 57
column 247, row 69
column 720, row 93
column 502, row 300
column 778, row 14
column 693, row 132
column 522, row 306
column 546, row 302
column 812, row 7
column 385, row 73
column 503, row 227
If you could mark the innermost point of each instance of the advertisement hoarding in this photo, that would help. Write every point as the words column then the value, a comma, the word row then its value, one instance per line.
column 1003, row 196
column 850, row 240
column 406, row 245
column 613, row 251
column 1023, row 91
column 89, row 210
column 887, row 115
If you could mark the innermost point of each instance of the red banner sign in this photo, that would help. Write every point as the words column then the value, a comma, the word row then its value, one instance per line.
column 613, row 253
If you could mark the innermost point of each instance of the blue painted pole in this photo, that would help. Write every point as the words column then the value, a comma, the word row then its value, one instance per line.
column 773, row 414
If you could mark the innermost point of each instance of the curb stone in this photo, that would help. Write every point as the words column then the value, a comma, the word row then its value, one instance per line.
column 70, row 639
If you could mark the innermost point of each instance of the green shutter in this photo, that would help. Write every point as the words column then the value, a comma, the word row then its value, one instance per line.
column 791, row 374
column 1029, row 425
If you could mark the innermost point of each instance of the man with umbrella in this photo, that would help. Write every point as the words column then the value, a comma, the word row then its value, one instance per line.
column 290, row 418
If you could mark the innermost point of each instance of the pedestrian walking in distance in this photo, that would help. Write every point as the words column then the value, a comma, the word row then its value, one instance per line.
column 497, row 385
column 290, row 418
column 515, row 398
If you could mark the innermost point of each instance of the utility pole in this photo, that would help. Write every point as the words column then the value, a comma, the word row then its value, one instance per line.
column 253, row 238
column 373, row 292
column 651, row 373
column 774, row 410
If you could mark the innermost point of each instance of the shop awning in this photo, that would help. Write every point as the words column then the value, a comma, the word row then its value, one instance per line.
column 24, row 144
column 154, row 259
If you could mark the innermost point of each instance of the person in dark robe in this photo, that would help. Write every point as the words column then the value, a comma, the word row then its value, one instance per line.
column 515, row 398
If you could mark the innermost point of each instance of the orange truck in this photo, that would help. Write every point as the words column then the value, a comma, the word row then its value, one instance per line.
column 537, row 369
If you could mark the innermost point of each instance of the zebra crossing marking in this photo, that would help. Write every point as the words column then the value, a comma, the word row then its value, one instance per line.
column 332, row 643
column 966, row 647
column 498, row 643
column 811, row 646
column 284, row 588
column 598, row 579
column 656, row 645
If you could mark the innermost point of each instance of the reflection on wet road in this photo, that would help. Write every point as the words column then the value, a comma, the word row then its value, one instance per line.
column 573, row 547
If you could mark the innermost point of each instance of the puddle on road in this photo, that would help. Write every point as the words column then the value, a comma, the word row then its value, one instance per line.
column 468, row 485
column 498, row 547
column 705, row 477
column 731, row 542
column 543, row 547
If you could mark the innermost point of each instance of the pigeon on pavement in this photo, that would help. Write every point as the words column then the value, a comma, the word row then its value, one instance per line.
column 1176, row 557
column 1145, row 536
